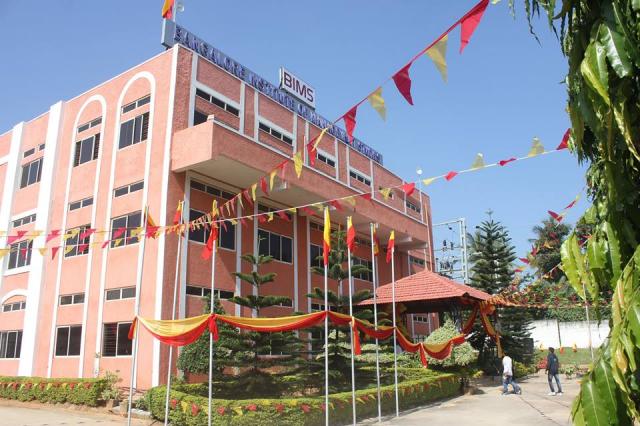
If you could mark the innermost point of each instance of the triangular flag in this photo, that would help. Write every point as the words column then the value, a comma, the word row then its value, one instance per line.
column 351, row 234
column 233, row 222
column 478, row 163
column 507, row 161
column 4, row 252
column 42, row 251
column 428, row 181
column 86, row 233
column 261, row 218
column 68, row 249
column 282, row 215
column 33, row 235
column 54, row 251
column 263, row 185
column 308, row 211
column 450, row 175
column 438, row 53
column 336, row 204
column 311, row 154
column 573, row 203
column 565, row 140
column 377, row 103
column 536, row 148
column 386, row 192
column 12, row 238
column 292, row 210
column 524, row 260
column 247, row 197
column 470, row 21
column 297, row 163
column 319, row 138
column 270, row 216
column 403, row 83
column 272, row 178
column 177, row 217
column 408, row 188
column 253, row 191
column 351, row 201
column 350, row 122
column 53, row 234
column 556, row 216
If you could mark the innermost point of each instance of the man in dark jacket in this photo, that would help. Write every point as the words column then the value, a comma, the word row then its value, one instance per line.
column 553, row 367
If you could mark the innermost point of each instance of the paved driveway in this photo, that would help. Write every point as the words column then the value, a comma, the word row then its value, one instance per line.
column 15, row 414
column 489, row 407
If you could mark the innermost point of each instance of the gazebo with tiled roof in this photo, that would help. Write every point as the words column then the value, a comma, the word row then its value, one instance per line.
column 427, row 291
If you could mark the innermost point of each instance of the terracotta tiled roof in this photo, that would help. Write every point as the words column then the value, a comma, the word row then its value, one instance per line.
column 427, row 286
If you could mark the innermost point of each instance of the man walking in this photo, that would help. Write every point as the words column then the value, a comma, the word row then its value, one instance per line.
column 507, row 376
column 553, row 366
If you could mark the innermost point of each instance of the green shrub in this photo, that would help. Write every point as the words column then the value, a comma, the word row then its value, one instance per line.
column 188, row 404
column 74, row 391
column 462, row 355
column 522, row 370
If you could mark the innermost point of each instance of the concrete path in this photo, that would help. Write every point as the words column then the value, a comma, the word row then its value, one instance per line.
column 13, row 413
column 489, row 407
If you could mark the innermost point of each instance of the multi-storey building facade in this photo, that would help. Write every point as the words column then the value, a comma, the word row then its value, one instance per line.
column 188, row 123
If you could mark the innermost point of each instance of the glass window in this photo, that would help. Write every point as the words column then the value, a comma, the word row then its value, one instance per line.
column 315, row 252
column 76, row 246
column 124, row 344
column 78, row 298
column 134, row 131
column 115, row 339
column 20, row 254
column 277, row 246
column 31, row 173
column 66, row 300
column 130, row 222
column 194, row 290
column 113, row 294
column 87, row 150
column 128, row 292
column 199, row 117
column 10, row 344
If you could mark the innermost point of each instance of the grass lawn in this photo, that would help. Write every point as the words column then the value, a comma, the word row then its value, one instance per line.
column 581, row 357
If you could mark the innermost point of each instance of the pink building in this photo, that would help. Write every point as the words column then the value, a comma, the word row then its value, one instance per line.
column 193, row 123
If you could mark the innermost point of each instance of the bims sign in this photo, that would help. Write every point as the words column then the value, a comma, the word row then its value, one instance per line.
column 298, row 88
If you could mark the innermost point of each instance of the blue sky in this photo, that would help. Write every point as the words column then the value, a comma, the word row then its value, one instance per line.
column 502, row 91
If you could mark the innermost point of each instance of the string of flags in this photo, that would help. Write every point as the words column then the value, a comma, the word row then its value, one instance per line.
column 227, row 213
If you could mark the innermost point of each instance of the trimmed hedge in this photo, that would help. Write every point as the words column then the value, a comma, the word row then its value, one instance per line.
column 189, row 408
column 74, row 391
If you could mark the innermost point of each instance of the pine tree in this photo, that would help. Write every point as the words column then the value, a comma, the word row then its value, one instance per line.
column 273, row 358
column 492, row 255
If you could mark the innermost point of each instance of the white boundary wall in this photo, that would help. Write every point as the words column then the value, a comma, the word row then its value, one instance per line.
column 545, row 332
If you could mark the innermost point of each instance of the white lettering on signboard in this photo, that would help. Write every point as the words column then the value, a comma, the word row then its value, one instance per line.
column 297, row 87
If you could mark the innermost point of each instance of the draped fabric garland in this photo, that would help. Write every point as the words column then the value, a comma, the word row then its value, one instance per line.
column 182, row 332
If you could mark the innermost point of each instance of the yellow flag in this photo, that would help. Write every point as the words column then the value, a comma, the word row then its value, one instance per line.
column 68, row 248
column 239, row 197
column 35, row 234
column 272, row 177
column 478, row 163
column 270, row 216
column 320, row 136
column 377, row 102
column 71, row 233
column 536, row 148
column 42, row 250
column 438, row 55
column 136, row 231
column 214, row 208
column 297, row 162
column 428, row 181
column 292, row 210
column 350, row 200
column 233, row 221
column 386, row 192
column 253, row 191
column 3, row 252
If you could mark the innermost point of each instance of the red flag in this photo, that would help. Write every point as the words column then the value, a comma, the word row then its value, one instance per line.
column 12, row 238
column 282, row 215
column 505, row 162
column 52, row 235
column 247, row 197
column 82, row 248
column 524, row 260
column 262, row 218
column 263, row 185
column 470, row 21
column 54, row 251
column 152, row 228
column 350, row 122
column 534, row 251
column 224, row 225
column 336, row 204
column 408, row 188
column 571, row 204
column 367, row 196
column 207, row 251
column 86, row 233
column 308, row 211
column 177, row 217
column 565, row 140
column 555, row 215
column 243, row 221
column 312, row 154
column 376, row 243
column 403, row 83
column 23, row 253
column 167, row 9
column 450, row 175
column 390, row 245
column 351, row 234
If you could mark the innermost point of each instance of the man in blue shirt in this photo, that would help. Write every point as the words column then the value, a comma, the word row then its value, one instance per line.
column 553, row 367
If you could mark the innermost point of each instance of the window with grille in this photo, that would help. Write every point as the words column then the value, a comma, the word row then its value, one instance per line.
column 366, row 276
column 226, row 232
column 68, row 339
column 217, row 102
column 31, row 173
column 130, row 222
column 10, row 344
column 76, row 246
column 275, row 245
column 15, row 306
column 20, row 254
column 134, row 131
column 87, row 150
column 120, row 293
column 115, row 339
column 24, row 220
column 360, row 178
column 81, row 203
column 71, row 299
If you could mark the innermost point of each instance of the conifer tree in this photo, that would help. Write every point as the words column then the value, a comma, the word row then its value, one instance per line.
column 492, row 255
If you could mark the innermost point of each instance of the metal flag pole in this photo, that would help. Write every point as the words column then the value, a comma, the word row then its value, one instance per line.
column 374, row 264
column 393, row 304
column 173, row 313
column 136, row 309
column 213, row 299
column 326, row 347
column 353, row 368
